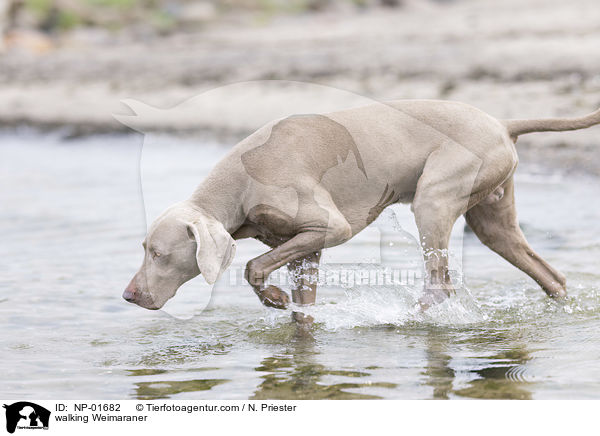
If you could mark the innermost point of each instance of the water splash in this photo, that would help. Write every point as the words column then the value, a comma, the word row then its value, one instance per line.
column 373, row 306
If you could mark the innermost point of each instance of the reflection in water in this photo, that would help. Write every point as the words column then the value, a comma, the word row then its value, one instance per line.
column 157, row 389
column 484, row 364
column 295, row 375
column 499, row 376
column 439, row 374
column 165, row 389
column 500, row 380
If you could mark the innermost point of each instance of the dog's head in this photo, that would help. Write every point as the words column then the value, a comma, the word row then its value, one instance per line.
column 182, row 243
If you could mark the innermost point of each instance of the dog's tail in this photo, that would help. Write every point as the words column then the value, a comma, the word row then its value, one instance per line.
column 520, row 127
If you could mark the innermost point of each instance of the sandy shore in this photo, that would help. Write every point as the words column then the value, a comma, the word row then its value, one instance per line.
column 513, row 59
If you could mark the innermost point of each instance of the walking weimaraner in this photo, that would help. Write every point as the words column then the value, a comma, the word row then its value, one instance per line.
column 308, row 182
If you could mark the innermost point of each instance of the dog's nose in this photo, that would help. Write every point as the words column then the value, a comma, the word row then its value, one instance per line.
column 130, row 291
column 129, row 296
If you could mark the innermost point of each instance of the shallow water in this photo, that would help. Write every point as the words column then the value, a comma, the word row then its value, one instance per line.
column 72, row 220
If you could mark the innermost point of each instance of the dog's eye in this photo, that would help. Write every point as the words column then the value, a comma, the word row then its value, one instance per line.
column 155, row 254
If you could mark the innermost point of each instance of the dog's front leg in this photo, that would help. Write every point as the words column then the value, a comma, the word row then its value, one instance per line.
column 257, row 272
column 304, row 274
column 258, row 269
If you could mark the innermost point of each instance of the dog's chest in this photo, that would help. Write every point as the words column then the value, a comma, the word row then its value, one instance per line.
column 270, row 225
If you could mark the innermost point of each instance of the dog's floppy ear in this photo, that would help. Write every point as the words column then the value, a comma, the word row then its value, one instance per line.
column 215, row 247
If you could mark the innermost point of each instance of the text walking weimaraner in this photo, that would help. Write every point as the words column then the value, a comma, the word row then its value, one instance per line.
column 309, row 182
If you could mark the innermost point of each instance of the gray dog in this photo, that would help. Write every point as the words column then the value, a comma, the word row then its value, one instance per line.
column 309, row 182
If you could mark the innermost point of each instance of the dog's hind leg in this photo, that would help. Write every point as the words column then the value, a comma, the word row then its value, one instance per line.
column 496, row 225
column 304, row 275
column 443, row 193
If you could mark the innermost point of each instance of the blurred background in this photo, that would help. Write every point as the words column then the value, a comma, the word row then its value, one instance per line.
column 68, row 63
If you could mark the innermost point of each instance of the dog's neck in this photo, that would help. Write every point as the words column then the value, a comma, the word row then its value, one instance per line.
column 221, row 195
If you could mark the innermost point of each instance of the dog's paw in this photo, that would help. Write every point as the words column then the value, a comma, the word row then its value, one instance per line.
column 431, row 297
column 274, row 297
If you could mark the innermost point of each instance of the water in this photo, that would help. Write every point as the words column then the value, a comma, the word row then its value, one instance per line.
column 72, row 220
